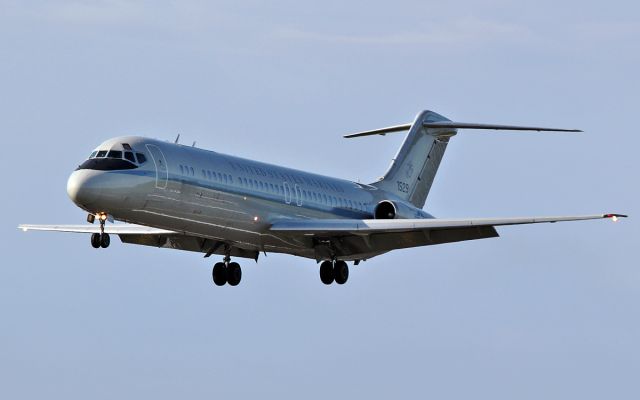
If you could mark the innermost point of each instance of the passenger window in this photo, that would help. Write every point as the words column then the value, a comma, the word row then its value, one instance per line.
column 129, row 156
column 204, row 174
column 141, row 158
column 114, row 154
column 192, row 171
column 101, row 154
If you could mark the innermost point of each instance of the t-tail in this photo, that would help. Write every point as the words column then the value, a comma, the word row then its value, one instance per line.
column 414, row 168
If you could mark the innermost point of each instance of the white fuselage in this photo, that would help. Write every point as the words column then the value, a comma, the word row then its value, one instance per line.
column 214, row 196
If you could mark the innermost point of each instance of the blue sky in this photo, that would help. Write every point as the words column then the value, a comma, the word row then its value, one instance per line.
column 546, row 311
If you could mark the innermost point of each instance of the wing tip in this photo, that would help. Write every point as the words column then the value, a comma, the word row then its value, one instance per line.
column 614, row 216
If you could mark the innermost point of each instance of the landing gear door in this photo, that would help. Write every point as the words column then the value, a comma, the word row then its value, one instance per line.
column 162, row 170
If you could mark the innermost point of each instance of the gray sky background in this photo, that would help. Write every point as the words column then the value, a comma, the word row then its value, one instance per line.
column 549, row 311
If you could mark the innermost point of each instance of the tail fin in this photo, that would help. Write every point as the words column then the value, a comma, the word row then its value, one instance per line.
column 414, row 168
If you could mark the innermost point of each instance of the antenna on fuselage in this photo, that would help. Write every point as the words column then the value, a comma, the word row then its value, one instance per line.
column 194, row 144
column 177, row 138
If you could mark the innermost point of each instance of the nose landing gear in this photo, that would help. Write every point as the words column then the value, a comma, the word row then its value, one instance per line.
column 101, row 239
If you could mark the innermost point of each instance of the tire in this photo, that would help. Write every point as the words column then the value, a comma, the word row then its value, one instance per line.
column 95, row 240
column 219, row 274
column 341, row 272
column 326, row 272
column 234, row 274
column 105, row 240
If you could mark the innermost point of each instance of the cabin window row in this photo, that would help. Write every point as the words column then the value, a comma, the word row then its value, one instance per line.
column 284, row 176
column 206, row 174
column 307, row 195
column 279, row 190
column 217, row 176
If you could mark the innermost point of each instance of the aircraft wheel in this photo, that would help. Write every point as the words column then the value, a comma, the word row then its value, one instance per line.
column 326, row 272
column 341, row 272
column 105, row 240
column 219, row 274
column 95, row 240
column 234, row 274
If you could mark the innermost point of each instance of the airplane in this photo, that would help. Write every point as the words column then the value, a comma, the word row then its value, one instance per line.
column 182, row 197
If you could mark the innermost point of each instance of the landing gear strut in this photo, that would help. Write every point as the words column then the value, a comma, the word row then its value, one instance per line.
column 336, row 271
column 100, row 239
column 226, row 272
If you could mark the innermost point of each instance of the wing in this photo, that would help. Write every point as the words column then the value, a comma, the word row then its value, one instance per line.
column 116, row 229
column 371, row 226
column 148, row 236
column 359, row 238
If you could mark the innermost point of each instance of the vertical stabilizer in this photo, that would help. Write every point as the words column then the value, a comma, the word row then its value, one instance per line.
column 414, row 168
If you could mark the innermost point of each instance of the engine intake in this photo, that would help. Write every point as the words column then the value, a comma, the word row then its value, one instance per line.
column 388, row 209
column 385, row 210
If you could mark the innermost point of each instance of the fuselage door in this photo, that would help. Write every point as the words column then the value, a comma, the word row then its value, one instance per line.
column 162, row 170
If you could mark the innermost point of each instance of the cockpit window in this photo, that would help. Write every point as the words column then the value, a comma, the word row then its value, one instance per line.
column 141, row 158
column 109, row 160
column 114, row 154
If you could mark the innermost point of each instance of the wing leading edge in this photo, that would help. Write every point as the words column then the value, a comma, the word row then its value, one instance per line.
column 116, row 229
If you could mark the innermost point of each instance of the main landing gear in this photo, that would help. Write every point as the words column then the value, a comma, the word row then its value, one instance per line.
column 100, row 239
column 331, row 271
column 226, row 272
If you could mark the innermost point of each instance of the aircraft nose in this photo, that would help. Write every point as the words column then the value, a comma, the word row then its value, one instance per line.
column 82, row 187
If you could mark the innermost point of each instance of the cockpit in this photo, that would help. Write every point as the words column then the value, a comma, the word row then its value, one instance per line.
column 120, row 156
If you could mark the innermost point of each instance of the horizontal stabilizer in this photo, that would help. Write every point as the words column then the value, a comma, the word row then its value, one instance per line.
column 457, row 125
column 381, row 131
column 466, row 125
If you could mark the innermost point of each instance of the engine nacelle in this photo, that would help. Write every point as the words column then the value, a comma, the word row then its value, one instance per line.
column 388, row 209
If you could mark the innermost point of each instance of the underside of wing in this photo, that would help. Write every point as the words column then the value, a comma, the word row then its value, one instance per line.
column 355, row 238
column 370, row 226
column 149, row 236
